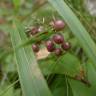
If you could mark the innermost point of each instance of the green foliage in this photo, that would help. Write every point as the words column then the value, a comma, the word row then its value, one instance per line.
column 67, row 75
column 80, row 89
column 32, row 83
column 76, row 27
column 67, row 64
column 60, row 86
column 8, row 93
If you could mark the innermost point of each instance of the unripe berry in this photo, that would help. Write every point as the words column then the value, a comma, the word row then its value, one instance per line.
column 66, row 46
column 58, row 51
column 35, row 48
column 57, row 24
column 58, row 38
column 50, row 46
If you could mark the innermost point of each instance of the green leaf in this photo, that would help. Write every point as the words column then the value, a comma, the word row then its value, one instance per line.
column 91, row 75
column 31, row 78
column 60, row 86
column 78, row 30
column 80, row 89
column 8, row 93
column 67, row 64
column 17, row 92
column 71, row 64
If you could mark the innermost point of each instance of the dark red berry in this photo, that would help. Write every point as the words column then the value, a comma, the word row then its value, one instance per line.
column 34, row 30
column 58, row 51
column 58, row 38
column 66, row 46
column 35, row 48
column 57, row 25
column 50, row 46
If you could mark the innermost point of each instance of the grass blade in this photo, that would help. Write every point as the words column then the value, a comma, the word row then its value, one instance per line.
column 77, row 28
column 16, row 4
column 31, row 79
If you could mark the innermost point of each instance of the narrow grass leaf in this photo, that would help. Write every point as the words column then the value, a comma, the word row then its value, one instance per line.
column 31, row 78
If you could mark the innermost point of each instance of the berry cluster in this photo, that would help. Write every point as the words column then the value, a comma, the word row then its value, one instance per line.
column 57, row 43
column 58, row 40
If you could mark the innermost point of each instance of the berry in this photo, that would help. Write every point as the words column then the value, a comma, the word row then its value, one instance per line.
column 66, row 46
column 50, row 46
column 58, row 38
column 34, row 30
column 58, row 51
column 35, row 48
column 57, row 24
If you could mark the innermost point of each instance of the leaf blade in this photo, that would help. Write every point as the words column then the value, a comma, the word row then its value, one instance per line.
column 32, row 81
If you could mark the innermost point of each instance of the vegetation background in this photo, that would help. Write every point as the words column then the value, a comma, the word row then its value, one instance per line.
column 22, row 73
